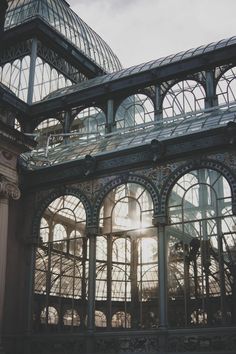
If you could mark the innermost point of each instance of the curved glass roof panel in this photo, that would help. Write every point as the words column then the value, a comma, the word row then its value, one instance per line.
column 154, row 64
column 123, row 139
column 59, row 15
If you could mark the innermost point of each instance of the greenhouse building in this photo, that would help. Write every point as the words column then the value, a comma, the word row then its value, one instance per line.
column 117, row 192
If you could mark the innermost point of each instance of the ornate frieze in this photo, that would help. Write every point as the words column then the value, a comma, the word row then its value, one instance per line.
column 8, row 189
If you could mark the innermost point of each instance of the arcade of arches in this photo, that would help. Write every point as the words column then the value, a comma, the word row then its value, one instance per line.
column 199, row 244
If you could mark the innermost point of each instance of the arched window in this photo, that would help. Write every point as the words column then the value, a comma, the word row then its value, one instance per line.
column 44, row 230
column 184, row 97
column 226, row 87
column 127, row 261
column 47, row 79
column 17, row 125
column 134, row 111
column 62, row 255
column 90, row 123
column 48, row 127
column 121, row 320
column 49, row 316
column 15, row 75
column 100, row 319
column 202, row 246
column 71, row 318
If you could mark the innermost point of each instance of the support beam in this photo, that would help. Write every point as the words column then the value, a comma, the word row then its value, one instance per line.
column 158, row 104
column 162, row 270
column 211, row 99
column 92, row 280
column 110, row 124
column 33, row 58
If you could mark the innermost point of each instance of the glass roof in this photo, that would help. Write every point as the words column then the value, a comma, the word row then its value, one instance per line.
column 59, row 15
column 151, row 65
column 139, row 135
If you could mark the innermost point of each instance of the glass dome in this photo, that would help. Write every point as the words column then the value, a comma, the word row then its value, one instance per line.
column 59, row 15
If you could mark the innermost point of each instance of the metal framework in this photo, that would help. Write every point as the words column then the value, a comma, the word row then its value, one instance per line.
column 58, row 15
column 133, row 242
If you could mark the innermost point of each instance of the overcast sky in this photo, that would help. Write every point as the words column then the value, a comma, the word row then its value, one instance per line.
column 141, row 30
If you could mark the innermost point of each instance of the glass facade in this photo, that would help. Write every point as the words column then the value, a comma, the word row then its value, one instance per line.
column 60, row 17
column 129, row 242
column 61, row 266
column 201, row 251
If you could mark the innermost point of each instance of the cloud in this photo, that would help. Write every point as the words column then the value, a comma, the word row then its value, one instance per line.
column 140, row 31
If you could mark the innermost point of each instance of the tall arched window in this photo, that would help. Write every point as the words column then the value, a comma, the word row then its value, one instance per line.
column 15, row 75
column 134, row 111
column 47, row 80
column 185, row 96
column 127, row 258
column 62, row 260
column 202, row 251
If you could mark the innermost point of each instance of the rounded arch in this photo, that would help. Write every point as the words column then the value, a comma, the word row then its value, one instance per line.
column 226, row 85
column 41, row 207
column 71, row 317
column 183, row 96
column 148, row 185
column 147, row 91
column 221, row 70
column 49, row 315
column 48, row 126
column 193, row 165
column 134, row 110
column 89, row 119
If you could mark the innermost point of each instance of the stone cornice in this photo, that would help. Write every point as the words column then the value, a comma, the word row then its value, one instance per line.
column 9, row 189
column 14, row 137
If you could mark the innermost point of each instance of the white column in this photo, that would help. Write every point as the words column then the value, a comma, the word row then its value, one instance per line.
column 7, row 190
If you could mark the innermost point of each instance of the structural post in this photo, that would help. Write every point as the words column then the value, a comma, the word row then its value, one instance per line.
column 7, row 190
column 162, row 276
column 211, row 99
column 91, row 281
column 110, row 116
column 160, row 222
column 33, row 57
column 92, row 234
column 158, row 105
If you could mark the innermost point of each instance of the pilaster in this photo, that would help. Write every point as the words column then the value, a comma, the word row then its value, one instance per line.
column 7, row 190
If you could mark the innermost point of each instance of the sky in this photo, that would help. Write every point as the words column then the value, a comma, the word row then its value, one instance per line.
column 142, row 30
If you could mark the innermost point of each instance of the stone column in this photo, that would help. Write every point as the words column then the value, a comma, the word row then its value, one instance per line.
column 7, row 190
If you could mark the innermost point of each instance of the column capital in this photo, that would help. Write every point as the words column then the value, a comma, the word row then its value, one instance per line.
column 9, row 189
column 159, row 220
column 91, row 231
